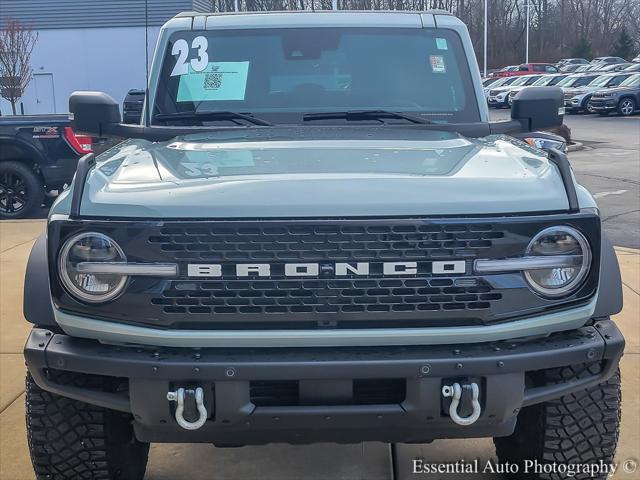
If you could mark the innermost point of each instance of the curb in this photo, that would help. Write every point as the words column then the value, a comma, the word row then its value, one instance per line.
column 574, row 147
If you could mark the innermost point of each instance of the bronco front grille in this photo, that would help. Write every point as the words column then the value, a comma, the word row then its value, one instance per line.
column 325, row 300
column 324, row 242
column 372, row 296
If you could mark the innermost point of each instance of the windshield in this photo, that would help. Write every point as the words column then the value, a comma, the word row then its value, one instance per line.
column 491, row 81
column 600, row 81
column 542, row 81
column 282, row 74
column 501, row 81
column 578, row 81
column 567, row 81
column 631, row 82
column 524, row 80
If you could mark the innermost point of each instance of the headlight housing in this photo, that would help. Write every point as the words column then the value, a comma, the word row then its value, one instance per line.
column 91, row 287
column 546, row 143
column 562, row 280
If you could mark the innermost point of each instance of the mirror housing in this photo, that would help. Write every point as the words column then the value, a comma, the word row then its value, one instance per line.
column 538, row 108
column 97, row 114
column 94, row 113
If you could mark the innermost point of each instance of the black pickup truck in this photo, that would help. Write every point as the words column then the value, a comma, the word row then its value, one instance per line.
column 38, row 154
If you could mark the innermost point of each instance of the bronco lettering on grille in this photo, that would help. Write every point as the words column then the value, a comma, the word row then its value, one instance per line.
column 216, row 270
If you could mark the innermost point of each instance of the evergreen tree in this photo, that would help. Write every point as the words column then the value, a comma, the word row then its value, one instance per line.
column 624, row 45
column 582, row 49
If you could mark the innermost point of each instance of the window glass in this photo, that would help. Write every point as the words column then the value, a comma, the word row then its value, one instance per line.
column 520, row 81
column 633, row 81
column 600, row 81
column 617, row 80
column 278, row 74
column 582, row 81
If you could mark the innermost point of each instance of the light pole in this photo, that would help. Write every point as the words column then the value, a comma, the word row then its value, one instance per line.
column 526, row 58
column 485, row 38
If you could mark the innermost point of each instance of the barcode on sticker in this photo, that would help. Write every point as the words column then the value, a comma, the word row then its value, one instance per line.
column 212, row 81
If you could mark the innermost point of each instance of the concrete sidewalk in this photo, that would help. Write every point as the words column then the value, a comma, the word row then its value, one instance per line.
column 274, row 462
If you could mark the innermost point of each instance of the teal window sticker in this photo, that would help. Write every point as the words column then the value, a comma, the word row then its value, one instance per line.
column 441, row 44
column 218, row 81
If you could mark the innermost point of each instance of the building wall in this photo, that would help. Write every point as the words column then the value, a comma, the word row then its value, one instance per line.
column 106, row 59
column 58, row 14
column 88, row 45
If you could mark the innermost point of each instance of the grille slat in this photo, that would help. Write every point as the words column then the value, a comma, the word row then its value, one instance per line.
column 322, row 296
column 330, row 242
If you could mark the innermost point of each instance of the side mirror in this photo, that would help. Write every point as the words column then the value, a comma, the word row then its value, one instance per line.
column 95, row 113
column 538, row 108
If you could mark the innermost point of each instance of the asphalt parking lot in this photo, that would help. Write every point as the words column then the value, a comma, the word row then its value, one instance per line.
column 609, row 167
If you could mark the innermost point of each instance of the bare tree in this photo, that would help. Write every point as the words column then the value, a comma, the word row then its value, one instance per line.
column 557, row 28
column 16, row 44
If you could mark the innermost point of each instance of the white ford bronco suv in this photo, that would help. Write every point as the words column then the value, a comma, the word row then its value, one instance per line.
column 317, row 235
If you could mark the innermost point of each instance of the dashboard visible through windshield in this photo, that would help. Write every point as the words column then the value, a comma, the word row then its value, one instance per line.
column 279, row 75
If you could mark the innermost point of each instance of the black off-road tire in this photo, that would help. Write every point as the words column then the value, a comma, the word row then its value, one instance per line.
column 580, row 428
column 74, row 440
column 31, row 189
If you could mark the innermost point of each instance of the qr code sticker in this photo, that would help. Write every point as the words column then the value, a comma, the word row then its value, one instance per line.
column 212, row 81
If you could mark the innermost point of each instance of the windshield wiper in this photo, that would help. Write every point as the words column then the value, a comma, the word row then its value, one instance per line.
column 213, row 115
column 364, row 115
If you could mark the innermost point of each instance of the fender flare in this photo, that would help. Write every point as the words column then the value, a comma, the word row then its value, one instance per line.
column 610, row 285
column 36, row 154
column 585, row 101
column 37, row 306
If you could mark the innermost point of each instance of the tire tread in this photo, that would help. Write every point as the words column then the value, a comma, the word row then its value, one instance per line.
column 578, row 428
column 69, row 439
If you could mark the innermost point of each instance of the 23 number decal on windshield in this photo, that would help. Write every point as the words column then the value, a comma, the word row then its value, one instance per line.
column 181, row 50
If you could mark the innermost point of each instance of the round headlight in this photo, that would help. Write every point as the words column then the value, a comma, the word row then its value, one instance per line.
column 561, row 280
column 91, row 287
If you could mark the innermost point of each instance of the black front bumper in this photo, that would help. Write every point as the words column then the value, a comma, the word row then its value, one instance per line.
column 508, row 374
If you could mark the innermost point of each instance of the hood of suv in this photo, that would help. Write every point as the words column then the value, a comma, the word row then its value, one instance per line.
column 582, row 90
column 501, row 89
column 614, row 91
column 431, row 173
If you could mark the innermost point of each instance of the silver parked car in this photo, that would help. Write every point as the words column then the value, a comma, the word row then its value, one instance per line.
column 544, row 81
column 499, row 96
column 577, row 99
column 608, row 60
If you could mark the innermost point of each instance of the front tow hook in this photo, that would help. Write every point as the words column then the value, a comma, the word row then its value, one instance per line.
column 455, row 391
column 178, row 396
